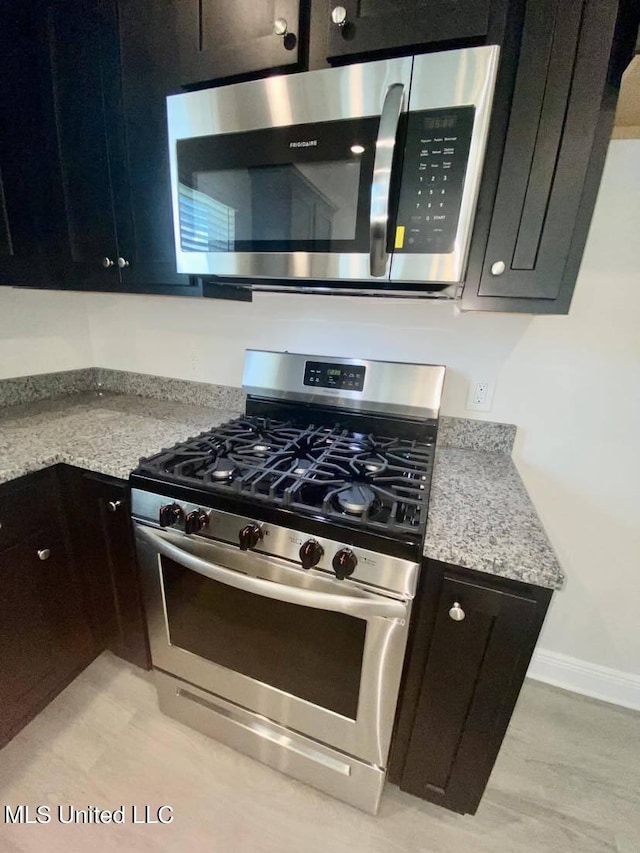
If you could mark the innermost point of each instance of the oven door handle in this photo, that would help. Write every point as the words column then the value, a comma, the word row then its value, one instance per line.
column 381, row 184
column 348, row 604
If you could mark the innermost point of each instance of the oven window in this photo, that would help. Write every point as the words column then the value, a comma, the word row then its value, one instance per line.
column 304, row 188
column 312, row 654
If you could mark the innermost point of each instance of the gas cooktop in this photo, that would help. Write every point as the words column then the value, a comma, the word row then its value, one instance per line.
column 331, row 473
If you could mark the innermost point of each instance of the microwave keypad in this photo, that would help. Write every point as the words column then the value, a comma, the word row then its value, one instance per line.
column 433, row 172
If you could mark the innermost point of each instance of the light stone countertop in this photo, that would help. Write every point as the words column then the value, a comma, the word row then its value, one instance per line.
column 480, row 515
column 104, row 433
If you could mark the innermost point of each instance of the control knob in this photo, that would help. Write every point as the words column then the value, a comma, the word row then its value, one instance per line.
column 195, row 521
column 249, row 536
column 170, row 514
column 311, row 553
column 344, row 563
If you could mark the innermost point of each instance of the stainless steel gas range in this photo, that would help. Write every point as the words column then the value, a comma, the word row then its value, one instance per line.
column 280, row 555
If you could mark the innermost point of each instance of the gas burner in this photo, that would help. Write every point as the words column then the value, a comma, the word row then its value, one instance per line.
column 356, row 499
column 301, row 466
column 368, row 465
column 222, row 469
column 260, row 447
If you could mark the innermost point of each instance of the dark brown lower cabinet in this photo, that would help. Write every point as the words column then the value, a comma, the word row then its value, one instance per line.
column 45, row 634
column 472, row 641
column 100, row 520
column 68, row 586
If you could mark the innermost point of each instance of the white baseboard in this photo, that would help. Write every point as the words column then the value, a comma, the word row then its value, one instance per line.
column 590, row 679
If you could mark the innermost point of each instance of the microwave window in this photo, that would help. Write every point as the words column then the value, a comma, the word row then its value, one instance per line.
column 277, row 205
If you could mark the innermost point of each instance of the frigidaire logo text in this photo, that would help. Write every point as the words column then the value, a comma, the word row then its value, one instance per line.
column 308, row 143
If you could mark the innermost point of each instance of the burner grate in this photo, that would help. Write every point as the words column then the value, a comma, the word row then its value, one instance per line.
column 366, row 481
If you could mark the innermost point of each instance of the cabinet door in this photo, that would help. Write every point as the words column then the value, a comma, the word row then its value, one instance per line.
column 366, row 26
column 99, row 514
column 44, row 635
column 81, row 126
column 145, row 71
column 218, row 39
column 466, row 689
column 26, row 218
column 126, row 623
column 560, row 123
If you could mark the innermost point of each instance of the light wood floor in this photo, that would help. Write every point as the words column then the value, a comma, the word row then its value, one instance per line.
column 568, row 779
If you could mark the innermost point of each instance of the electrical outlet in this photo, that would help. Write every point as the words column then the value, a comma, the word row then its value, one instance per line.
column 480, row 396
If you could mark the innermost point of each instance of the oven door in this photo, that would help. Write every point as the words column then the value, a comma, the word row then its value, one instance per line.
column 287, row 177
column 318, row 656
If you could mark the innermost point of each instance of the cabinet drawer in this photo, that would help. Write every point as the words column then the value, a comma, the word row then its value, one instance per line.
column 27, row 506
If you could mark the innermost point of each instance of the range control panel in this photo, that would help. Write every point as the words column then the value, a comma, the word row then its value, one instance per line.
column 343, row 377
column 433, row 172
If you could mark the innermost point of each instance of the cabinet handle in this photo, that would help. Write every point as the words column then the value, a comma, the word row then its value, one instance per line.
column 114, row 505
column 339, row 15
column 107, row 262
column 44, row 554
column 498, row 268
column 456, row 612
column 280, row 27
column 122, row 263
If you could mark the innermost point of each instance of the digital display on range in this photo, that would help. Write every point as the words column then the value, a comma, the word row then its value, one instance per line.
column 342, row 377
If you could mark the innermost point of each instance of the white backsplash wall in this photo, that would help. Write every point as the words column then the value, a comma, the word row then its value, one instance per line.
column 206, row 340
column 42, row 331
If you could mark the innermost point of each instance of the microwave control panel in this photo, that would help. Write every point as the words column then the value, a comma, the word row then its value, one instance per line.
column 342, row 377
column 433, row 173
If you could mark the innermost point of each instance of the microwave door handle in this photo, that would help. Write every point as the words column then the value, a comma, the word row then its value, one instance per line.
column 381, row 184
column 350, row 605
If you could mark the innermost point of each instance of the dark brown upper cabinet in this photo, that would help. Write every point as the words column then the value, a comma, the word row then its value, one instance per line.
column 144, row 72
column 85, row 197
column 216, row 39
column 80, row 124
column 108, row 118
column 27, row 224
column 371, row 26
column 534, row 216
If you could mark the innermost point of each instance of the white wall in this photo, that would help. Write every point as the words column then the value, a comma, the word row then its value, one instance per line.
column 571, row 384
column 205, row 340
column 42, row 332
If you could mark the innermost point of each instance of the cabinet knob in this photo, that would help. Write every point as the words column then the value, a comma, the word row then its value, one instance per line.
column 122, row 263
column 44, row 554
column 339, row 15
column 498, row 268
column 107, row 262
column 280, row 27
column 456, row 612
column 114, row 505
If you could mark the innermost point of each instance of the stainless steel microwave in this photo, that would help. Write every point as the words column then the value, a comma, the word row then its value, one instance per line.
column 362, row 178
